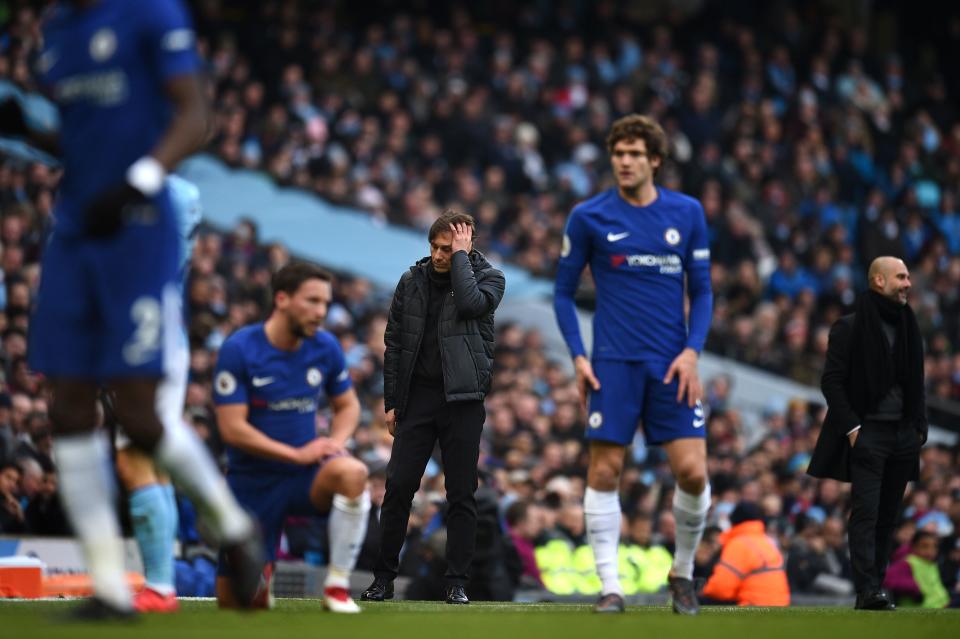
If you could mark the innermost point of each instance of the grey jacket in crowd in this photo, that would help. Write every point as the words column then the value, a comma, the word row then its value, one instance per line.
column 466, row 329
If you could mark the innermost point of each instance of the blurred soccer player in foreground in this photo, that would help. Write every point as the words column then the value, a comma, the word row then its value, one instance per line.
column 124, row 76
column 152, row 499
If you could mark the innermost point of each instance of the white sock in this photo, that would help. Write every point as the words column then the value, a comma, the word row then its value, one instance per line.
column 690, row 512
column 87, row 490
column 347, row 527
column 602, row 511
column 182, row 454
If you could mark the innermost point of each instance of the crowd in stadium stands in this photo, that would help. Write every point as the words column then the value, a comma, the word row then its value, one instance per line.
column 809, row 146
column 810, row 149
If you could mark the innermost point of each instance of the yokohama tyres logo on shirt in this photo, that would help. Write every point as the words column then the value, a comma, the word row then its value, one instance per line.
column 667, row 264
column 298, row 404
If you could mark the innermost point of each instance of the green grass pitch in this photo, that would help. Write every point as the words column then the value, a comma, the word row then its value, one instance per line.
column 303, row 619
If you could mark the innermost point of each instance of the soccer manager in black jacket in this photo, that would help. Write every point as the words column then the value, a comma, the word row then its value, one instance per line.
column 876, row 419
column 437, row 370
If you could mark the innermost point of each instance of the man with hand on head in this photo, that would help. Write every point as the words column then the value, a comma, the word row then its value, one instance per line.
column 438, row 368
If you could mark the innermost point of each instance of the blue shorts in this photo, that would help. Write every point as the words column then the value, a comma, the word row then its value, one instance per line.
column 271, row 498
column 110, row 308
column 632, row 393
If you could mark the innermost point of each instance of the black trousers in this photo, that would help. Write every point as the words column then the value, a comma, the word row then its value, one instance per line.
column 457, row 426
column 882, row 461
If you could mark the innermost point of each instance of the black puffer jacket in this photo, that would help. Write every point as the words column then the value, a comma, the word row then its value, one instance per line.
column 466, row 329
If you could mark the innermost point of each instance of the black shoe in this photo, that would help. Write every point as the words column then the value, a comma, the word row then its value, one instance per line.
column 684, row 596
column 245, row 561
column 876, row 600
column 96, row 609
column 457, row 595
column 609, row 603
column 379, row 590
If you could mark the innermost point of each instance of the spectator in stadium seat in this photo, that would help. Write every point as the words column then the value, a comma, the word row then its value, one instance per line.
column 376, row 483
column 495, row 570
column 950, row 567
column 914, row 578
column 790, row 278
column 525, row 524
column 904, row 532
column 751, row 569
column 838, row 551
column 643, row 565
column 438, row 367
column 8, row 440
column 44, row 514
column 708, row 553
column 11, row 514
column 876, row 422
column 808, row 564
column 31, row 479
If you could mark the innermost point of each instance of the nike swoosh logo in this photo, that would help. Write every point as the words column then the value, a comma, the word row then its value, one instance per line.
column 261, row 381
column 46, row 61
column 698, row 423
column 616, row 237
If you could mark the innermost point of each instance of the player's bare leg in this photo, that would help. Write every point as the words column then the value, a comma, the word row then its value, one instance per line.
column 691, row 502
column 601, row 508
column 153, row 512
column 340, row 488
column 87, row 489
column 178, row 451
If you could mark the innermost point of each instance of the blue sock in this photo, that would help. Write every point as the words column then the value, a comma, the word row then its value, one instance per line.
column 150, row 513
column 174, row 516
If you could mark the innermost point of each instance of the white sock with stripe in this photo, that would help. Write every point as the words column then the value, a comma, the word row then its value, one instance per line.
column 87, row 489
column 690, row 512
column 182, row 454
column 347, row 528
column 602, row 512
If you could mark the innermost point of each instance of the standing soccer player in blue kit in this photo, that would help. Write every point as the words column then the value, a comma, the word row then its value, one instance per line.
column 640, row 240
column 268, row 383
column 124, row 76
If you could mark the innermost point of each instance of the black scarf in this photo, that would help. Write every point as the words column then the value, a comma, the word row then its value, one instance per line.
column 874, row 367
column 440, row 280
column 429, row 368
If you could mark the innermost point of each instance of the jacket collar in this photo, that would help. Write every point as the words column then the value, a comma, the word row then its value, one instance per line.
column 752, row 527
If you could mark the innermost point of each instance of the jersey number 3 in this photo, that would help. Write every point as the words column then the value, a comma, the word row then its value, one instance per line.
column 145, row 341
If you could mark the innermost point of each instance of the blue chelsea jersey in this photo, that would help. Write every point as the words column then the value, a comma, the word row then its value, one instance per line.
column 105, row 67
column 281, row 389
column 638, row 257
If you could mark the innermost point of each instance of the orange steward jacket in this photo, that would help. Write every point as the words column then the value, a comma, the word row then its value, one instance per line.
column 751, row 570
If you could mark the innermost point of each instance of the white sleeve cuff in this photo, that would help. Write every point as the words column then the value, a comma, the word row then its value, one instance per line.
column 853, row 430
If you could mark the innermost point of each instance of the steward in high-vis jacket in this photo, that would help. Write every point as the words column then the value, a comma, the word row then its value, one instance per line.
column 438, row 367
column 751, row 570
